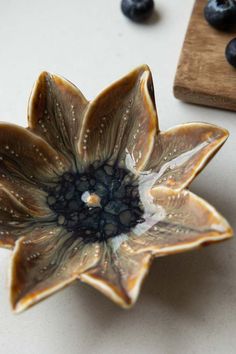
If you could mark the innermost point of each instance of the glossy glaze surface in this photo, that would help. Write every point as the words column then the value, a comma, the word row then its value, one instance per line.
column 94, row 191
column 101, row 203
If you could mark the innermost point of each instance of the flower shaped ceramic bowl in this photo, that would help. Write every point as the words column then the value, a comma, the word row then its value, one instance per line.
column 94, row 191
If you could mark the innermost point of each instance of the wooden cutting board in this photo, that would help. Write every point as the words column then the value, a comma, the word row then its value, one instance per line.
column 203, row 75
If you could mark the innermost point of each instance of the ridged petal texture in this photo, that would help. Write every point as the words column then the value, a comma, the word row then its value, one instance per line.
column 68, row 134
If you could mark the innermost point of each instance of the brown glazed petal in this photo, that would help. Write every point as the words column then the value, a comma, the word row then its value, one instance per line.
column 180, row 153
column 185, row 222
column 15, row 218
column 119, row 273
column 55, row 112
column 28, row 157
column 121, row 122
column 66, row 134
column 46, row 260
column 26, row 164
column 29, row 195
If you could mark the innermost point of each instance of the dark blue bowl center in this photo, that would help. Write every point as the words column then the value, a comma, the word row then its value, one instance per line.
column 117, row 211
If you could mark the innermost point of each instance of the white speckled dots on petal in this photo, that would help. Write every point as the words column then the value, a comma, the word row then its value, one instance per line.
column 119, row 273
column 93, row 191
column 45, row 260
column 28, row 156
column 56, row 111
column 186, row 221
column 180, row 153
column 121, row 121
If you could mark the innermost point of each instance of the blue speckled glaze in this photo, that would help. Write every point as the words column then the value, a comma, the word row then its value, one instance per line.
column 119, row 207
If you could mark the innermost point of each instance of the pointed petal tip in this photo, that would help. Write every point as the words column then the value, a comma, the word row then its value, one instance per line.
column 225, row 134
column 21, row 305
column 29, row 300
column 42, row 77
column 39, row 83
column 35, row 92
column 202, row 140
column 22, row 300
column 229, row 232
column 145, row 74
column 17, row 308
column 125, row 297
column 217, row 228
column 222, row 132
column 123, row 300
column 143, row 68
column 44, row 74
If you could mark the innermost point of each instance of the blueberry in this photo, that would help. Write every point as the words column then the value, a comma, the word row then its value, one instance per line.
column 220, row 14
column 230, row 52
column 137, row 10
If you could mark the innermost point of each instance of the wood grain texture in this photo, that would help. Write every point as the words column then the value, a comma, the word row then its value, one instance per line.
column 203, row 75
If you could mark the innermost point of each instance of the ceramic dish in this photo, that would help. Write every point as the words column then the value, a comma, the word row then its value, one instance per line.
column 94, row 191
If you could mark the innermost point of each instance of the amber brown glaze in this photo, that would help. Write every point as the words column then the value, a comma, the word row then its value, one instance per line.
column 69, row 137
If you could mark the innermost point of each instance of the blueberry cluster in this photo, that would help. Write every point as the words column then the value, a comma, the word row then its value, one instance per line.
column 118, row 211
column 221, row 14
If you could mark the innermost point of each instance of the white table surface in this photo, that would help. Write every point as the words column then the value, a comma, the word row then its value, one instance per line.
column 188, row 301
